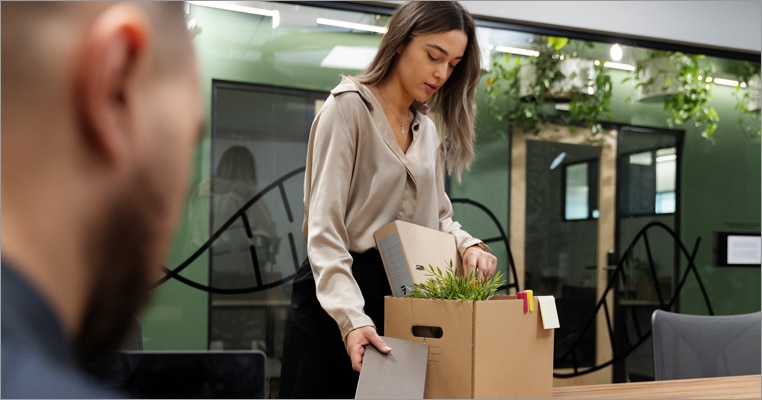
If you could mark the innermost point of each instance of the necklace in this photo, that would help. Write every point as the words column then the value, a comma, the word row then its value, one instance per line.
column 402, row 126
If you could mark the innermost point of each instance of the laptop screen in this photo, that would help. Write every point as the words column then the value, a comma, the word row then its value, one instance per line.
column 187, row 374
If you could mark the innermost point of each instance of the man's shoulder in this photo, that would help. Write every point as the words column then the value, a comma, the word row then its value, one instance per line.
column 27, row 372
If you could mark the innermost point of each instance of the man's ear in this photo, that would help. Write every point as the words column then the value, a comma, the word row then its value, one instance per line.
column 113, row 54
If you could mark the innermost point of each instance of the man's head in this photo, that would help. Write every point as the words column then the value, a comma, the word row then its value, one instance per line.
column 101, row 111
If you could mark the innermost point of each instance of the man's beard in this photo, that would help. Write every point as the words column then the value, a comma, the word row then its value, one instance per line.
column 122, row 257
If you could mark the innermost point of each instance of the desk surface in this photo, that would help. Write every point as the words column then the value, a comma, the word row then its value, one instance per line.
column 727, row 387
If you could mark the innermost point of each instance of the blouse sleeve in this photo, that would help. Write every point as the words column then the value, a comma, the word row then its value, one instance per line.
column 330, row 161
column 446, row 224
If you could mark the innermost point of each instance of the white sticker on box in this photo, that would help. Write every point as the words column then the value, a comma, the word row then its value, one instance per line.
column 548, row 311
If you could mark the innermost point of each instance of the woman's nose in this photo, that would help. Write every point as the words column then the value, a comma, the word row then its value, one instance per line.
column 441, row 71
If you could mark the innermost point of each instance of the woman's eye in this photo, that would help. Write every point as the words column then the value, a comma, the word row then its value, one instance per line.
column 432, row 58
column 452, row 66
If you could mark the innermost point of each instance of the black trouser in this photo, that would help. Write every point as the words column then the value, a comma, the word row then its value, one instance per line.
column 315, row 362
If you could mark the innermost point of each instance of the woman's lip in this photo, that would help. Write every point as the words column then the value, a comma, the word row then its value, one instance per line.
column 431, row 88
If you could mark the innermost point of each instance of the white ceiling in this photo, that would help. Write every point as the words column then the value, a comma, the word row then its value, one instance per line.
column 730, row 24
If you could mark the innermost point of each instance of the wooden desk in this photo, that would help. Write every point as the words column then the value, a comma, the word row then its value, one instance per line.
column 728, row 387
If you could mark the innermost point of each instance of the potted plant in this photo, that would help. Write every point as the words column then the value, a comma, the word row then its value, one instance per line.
column 446, row 284
column 679, row 80
column 526, row 94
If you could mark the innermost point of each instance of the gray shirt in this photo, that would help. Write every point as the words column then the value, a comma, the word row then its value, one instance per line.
column 358, row 179
column 38, row 360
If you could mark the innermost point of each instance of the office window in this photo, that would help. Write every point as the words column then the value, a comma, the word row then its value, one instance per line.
column 648, row 182
column 581, row 191
column 577, row 192
column 666, row 164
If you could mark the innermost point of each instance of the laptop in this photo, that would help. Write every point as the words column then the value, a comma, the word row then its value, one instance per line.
column 230, row 374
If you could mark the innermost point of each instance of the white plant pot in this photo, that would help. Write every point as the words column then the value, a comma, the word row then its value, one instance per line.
column 579, row 75
column 754, row 86
column 654, row 78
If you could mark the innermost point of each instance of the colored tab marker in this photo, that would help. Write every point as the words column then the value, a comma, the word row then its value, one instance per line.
column 530, row 300
column 523, row 295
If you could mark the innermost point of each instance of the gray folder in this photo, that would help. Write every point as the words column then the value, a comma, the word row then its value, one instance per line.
column 400, row 374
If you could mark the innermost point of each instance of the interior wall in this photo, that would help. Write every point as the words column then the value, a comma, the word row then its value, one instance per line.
column 720, row 191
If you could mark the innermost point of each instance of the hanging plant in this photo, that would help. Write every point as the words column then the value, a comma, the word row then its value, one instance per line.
column 446, row 284
column 748, row 93
column 525, row 94
column 681, row 82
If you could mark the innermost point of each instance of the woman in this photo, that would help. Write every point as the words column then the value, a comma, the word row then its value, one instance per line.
column 375, row 157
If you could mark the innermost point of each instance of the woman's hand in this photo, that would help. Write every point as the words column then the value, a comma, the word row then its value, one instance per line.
column 359, row 338
column 482, row 263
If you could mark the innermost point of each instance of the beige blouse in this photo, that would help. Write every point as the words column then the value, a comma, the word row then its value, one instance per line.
column 358, row 179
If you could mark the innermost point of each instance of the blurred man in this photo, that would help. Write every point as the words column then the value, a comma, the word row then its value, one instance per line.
column 101, row 111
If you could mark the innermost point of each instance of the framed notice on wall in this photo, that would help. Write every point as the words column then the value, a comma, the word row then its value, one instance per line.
column 737, row 249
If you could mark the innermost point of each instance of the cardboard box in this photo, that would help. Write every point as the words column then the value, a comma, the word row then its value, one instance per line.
column 479, row 349
column 407, row 250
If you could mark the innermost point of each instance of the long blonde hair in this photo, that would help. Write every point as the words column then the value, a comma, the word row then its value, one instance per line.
column 454, row 101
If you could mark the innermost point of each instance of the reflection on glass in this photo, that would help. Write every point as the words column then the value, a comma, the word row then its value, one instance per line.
column 650, row 177
column 234, row 184
column 643, row 158
column 666, row 167
column 577, row 192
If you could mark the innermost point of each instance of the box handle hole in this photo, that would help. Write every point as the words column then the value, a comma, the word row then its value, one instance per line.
column 433, row 332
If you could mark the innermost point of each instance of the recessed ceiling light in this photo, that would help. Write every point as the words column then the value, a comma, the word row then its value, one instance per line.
column 616, row 52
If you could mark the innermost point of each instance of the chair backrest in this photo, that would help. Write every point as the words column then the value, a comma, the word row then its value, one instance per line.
column 700, row 346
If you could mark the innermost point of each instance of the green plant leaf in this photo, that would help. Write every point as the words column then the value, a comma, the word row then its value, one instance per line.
column 557, row 43
column 450, row 286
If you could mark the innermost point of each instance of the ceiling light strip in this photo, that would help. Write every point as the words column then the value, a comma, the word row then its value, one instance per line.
column 221, row 5
column 351, row 25
column 726, row 82
column 669, row 157
column 616, row 65
column 516, row 50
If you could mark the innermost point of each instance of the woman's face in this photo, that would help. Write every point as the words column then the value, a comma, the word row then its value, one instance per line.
column 427, row 61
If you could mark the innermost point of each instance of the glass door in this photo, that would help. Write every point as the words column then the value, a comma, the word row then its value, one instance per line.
column 648, row 234
column 254, row 198
column 562, row 228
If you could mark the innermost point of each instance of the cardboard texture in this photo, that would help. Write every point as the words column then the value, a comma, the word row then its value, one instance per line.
column 485, row 349
column 407, row 250
column 400, row 374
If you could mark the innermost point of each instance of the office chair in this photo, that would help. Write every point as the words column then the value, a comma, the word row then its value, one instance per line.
column 700, row 346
